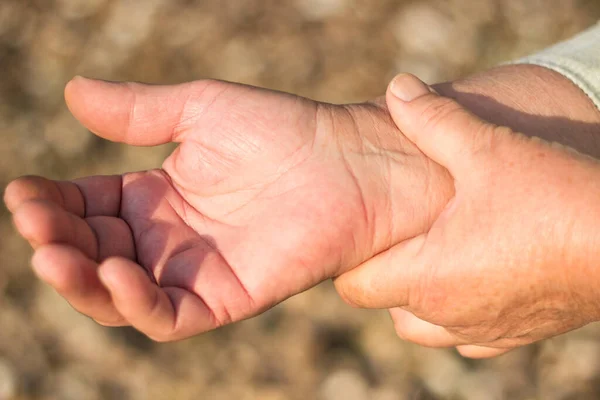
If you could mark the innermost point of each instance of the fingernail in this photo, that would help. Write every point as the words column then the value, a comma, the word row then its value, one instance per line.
column 408, row 87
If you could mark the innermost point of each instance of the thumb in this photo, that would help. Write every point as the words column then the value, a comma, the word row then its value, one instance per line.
column 439, row 126
column 133, row 113
column 386, row 280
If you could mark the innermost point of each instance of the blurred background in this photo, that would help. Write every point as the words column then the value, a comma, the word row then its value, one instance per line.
column 312, row 346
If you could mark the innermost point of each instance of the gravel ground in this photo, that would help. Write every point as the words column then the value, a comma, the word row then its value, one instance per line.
column 312, row 346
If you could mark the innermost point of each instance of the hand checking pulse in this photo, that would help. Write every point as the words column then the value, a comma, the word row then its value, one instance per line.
column 512, row 258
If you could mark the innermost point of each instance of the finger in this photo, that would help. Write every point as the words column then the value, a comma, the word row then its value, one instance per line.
column 91, row 196
column 113, row 238
column 413, row 329
column 164, row 314
column 441, row 128
column 133, row 113
column 478, row 352
column 65, row 194
column 42, row 222
column 384, row 280
column 74, row 276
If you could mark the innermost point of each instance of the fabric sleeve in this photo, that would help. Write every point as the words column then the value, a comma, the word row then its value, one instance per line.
column 577, row 58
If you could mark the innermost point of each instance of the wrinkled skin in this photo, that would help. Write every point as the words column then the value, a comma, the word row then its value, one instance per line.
column 266, row 195
column 512, row 258
column 269, row 194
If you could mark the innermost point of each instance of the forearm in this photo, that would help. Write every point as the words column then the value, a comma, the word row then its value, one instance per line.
column 534, row 100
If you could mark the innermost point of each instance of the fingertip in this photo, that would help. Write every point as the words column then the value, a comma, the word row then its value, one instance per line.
column 163, row 314
column 33, row 220
column 411, row 328
column 346, row 289
column 136, row 114
column 440, row 127
column 402, row 91
column 101, row 107
column 108, row 273
column 74, row 81
column 72, row 88
column 22, row 220
column 42, row 265
column 73, row 275
column 142, row 304
column 480, row 352
column 10, row 196
column 383, row 281
column 48, row 263
column 120, row 275
column 80, row 84
column 407, row 87
column 26, row 188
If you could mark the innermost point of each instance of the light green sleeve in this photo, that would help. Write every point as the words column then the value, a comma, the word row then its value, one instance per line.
column 577, row 58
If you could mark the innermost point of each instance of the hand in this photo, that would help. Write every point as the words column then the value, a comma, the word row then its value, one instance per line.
column 267, row 195
column 511, row 259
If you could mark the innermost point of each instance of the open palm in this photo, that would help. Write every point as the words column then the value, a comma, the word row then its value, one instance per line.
column 266, row 195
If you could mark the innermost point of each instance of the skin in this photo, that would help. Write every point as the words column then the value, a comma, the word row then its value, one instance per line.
column 267, row 195
column 509, row 260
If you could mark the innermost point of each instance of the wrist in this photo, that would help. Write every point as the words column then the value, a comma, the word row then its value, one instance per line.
column 533, row 100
